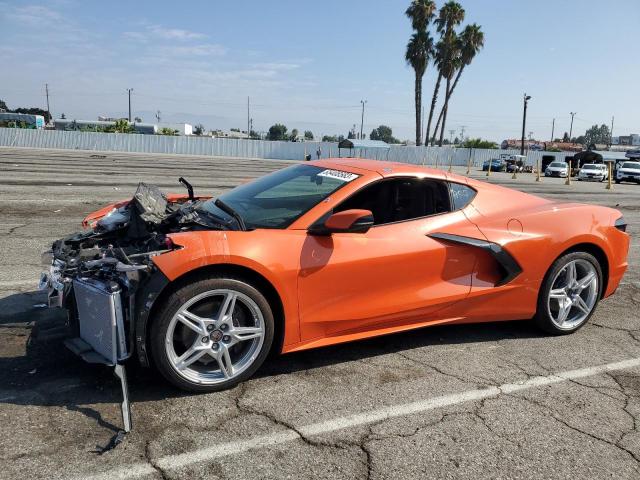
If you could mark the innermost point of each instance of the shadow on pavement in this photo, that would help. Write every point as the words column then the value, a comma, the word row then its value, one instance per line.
column 49, row 375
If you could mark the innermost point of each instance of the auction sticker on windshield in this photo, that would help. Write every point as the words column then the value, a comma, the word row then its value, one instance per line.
column 338, row 175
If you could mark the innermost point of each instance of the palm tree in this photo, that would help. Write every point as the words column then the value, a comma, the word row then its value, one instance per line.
column 420, row 12
column 471, row 42
column 450, row 63
column 419, row 50
column 451, row 15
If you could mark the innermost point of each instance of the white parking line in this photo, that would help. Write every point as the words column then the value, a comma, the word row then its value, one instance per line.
column 172, row 462
column 19, row 283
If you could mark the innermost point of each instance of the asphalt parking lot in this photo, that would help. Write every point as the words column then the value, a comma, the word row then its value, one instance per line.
column 496, row 400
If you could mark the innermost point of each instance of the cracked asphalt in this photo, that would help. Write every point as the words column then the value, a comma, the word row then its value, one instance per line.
column 429, row 403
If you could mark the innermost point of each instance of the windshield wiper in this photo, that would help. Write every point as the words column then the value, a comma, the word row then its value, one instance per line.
column 227, row 209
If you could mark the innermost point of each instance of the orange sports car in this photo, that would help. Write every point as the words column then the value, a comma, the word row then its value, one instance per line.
column 320, row 253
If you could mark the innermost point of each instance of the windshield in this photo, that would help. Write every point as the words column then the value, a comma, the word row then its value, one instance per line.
column 590, row 167
column 635, row 165
column 278, row 199
column 558, row 165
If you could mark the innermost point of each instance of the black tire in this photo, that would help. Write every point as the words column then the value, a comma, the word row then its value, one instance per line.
column 617, row 181
column 172, row 304
column 542, row 317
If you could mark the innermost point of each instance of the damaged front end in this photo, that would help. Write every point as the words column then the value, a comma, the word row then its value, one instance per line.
column 105, row 276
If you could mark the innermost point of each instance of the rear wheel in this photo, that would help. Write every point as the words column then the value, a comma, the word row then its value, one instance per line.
column 212, row 334
column 570, row 293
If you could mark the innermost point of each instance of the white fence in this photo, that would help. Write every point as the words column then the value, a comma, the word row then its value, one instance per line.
column 225, row 147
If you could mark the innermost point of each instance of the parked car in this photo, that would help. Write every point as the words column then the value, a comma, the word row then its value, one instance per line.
column 497, row 165
column 557, row 169
column 514, row 163
column 597, row 172
column 628, row 172
column 320, row 253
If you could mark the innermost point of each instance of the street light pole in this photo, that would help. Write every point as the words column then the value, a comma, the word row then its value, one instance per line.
column 362, row 117
column 524, row 121
column 553, row 127
column 129, row 90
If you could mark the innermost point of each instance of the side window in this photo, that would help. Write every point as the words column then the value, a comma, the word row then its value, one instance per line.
column 400, row 199
column 461, row 195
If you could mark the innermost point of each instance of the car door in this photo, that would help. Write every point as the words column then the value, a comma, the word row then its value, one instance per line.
column 392, row 275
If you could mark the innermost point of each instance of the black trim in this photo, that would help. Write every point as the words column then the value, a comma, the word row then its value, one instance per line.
column 146, row 296
column 621, row 224
column 509, row 266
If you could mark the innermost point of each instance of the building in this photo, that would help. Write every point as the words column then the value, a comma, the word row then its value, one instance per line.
column 9, row 119
column 229, row 134
column 514, row 144
column 632, row 139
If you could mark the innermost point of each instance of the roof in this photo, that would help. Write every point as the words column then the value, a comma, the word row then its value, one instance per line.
column 353, row 143
column 381, row 167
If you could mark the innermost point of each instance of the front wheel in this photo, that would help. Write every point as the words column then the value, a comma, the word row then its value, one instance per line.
column 569, row 294
column 212, row 334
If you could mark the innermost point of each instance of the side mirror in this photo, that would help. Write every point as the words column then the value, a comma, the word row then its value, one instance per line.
column 348, row 221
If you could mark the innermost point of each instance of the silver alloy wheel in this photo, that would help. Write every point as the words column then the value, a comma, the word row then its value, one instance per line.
column 573, row 294
column 219, row 346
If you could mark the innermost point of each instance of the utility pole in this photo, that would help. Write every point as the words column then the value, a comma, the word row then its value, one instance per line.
column 46, row 89
column 250, row 127
column 451, row 133
column 362, row 117
column 530, row 135
column 248, row 119
column 571, row 127
column 611, row 133
column 129, row 90
column 553, row 127
column 524, row 121
column 462, row 133
column 158, row 116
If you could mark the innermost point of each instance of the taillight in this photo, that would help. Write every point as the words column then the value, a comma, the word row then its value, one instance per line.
column 621, row 224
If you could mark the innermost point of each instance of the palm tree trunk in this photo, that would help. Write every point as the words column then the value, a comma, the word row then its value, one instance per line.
column 434, row 99
column 446, row 107
column 418, row 101
column 453, row 87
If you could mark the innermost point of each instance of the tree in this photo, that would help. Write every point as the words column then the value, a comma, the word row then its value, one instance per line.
column 332, row 138
column 479, row 143
column 34, row 111
column 253, row 135
column 419, row 51
column 451, row 15
column 63, row 116
column 308, row 135
column 383, row 133
column 121, row 125
column 565, row 138
column 277, row 132
column 166, row 131
column 596, row 135
column 137, row 120
column 471, row 42
column 294, row 135
column 198, row 129
column 3, row 106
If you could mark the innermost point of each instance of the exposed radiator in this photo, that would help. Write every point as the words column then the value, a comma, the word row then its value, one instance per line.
column 101, row 318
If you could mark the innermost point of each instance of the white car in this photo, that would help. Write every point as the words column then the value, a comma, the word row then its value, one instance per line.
column 593, row 171
column 557, row 169
column 629, row 172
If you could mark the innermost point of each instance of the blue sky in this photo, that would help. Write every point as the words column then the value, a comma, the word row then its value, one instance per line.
column 307, row 64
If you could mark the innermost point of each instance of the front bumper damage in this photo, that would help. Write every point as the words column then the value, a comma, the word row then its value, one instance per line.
column 101, row 314
column 106, row 279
